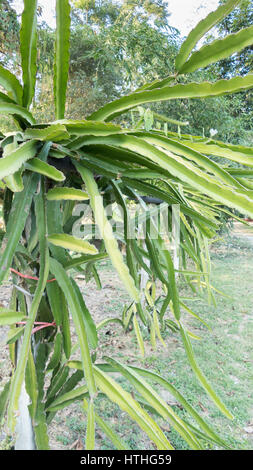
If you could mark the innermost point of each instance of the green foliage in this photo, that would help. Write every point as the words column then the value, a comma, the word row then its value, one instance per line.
column 109, row 54
column 241, row 17
column 45, row 166
column 9, row 29
column 61, row 64
column 28, row 50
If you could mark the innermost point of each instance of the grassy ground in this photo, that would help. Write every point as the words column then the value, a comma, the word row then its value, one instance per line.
column 224, row 354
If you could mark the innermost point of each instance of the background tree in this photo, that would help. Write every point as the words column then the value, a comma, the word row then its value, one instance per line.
column 117, row 49
column 9, row 29
column 241, row 62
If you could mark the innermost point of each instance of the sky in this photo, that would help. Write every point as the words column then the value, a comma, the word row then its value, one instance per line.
column 185, row 14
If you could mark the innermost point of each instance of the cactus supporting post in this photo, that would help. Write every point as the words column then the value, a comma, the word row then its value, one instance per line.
column 24, row 428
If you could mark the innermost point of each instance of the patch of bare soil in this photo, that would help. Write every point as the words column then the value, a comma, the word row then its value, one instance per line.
column 243, row 231
column 5, row 366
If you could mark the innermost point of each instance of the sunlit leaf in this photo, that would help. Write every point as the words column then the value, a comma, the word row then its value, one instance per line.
column 72, row 243
column 28, row 49
column 61, row 64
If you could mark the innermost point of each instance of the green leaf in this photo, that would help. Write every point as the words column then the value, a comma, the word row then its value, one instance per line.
column 184, row 171
column 165, row 384
column 106, row 168
column 65, row 193
column 218, row 50
column 121, row 158
column 55, row 301
column 157, row 379
column 141, row 174
column 28, row 49
column 78, row 261
column 172, row 283
column 55, row 225
column 13, row 182
column 163, row 118
column 156, row 263
column 156, row 84
column 75, row 365
column 235, row 153
column 203, row 27
column 15, row 159
column 185, row 150
column 67, row 398
column 4, row 396
column 43, row 168
column 65, row 327
column 56, row 356
column 190, row 311
column 10, row 317
column 189, row 90
column 31, row 384
column 78, row 317
column 240, row 172
column 15, row 110
column 6, row 99
column 12, row 306
column 139, row 257
column 126, row 402
column 117, row 442
column 72, row 243
column 148, row 119
column 151, row 190
column 58, row 381
column 89, row 323
column 14, row 334
column 106, row 321
column 138, row 335
column 61, row 64
column 54, row 132
column 11, row 84
column 200, row 375
column 152, row 397
column 68, row 385
column 90, row 430
column 16, row 223
column 106, row 232
column 96, row 276
column 39, row 423
column 157, row 327
column 80, row 128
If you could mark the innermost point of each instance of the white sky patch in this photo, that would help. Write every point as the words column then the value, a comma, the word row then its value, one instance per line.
column 48, row 10
column 185, row 14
